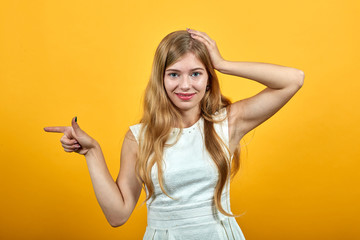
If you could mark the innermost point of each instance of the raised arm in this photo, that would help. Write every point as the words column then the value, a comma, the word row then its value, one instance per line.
column 281, row 85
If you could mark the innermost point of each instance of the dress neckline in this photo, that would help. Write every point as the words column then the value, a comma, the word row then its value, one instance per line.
column 192, row 126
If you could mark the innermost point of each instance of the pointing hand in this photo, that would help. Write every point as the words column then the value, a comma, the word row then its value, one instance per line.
column 74, row 138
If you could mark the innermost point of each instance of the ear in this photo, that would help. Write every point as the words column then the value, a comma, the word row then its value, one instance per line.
column 208, row 85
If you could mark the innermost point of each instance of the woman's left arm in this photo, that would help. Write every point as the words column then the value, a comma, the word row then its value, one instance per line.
column 270, row 75
column 282, row 84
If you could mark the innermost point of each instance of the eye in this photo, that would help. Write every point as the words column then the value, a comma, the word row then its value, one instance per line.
column 196, row 74
column 173, row 75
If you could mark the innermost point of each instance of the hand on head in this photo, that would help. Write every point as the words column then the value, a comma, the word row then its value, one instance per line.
column 74, row 138
column 211, row 46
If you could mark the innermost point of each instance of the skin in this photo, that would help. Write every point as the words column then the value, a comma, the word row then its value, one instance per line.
column 281, row 85
column 118, row 199
column 187, row 76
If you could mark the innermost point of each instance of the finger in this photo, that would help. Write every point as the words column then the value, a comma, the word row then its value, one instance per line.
column 202, row 34
column 207, row 37
column 75, row 126
column 67, row 141
column 68, row 150
column 73, row 146
column 195, row 32
column 201, row 39
column 55, row 129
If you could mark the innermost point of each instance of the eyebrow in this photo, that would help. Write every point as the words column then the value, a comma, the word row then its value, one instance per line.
column 176, row 70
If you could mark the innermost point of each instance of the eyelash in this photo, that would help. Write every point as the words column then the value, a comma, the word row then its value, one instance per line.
column 173, row 74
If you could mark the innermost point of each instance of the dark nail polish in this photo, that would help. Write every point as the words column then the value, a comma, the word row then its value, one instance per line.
column 75, row 119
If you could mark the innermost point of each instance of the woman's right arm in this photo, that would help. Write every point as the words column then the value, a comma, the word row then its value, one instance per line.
column 117, row 199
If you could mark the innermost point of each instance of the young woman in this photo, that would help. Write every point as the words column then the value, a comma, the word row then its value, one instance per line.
column 185, row 149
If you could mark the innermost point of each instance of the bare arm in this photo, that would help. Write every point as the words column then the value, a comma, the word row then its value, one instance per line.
column 126, row 180
column 271, row 75
column 116, row 199
column 282, row 83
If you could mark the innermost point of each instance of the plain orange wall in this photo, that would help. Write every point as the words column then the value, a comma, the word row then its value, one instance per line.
column 92, row 59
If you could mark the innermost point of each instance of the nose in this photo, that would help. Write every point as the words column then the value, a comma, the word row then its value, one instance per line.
column 184, row 83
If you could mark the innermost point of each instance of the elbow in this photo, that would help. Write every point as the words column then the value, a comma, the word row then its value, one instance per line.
column 117, row 222
column 300, row 78
column 297, row 79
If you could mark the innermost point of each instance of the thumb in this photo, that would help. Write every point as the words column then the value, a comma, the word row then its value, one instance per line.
column 75, row 125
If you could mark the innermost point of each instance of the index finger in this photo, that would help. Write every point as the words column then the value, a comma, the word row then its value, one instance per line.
column 55, row 129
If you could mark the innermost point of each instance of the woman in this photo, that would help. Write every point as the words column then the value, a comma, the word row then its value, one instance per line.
column 185, row 149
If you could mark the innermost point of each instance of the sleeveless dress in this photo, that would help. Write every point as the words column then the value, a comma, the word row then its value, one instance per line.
column 190, row 177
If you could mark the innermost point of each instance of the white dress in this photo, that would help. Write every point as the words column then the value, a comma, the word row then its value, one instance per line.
column 190, row 177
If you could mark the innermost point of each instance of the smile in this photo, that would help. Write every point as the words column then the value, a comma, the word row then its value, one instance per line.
column 185, row 96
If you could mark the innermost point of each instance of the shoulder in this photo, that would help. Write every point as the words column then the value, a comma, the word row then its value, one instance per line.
column 134, row 131
column 130, row 136
column 129, row 147
column 220, row 115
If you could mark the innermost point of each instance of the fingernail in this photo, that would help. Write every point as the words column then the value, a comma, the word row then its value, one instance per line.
column 75, row 119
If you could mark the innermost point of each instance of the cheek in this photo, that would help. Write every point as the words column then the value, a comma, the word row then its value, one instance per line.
column 169, row 85
column 201, row 84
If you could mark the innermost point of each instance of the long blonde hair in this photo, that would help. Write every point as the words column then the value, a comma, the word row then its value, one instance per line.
column 160, row 116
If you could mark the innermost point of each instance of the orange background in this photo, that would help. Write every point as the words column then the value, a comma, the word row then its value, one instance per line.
column 92, row 59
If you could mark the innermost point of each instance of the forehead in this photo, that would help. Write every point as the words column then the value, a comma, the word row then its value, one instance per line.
column 187, row 61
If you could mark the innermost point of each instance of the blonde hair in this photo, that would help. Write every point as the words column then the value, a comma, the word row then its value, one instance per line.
column 160, row 116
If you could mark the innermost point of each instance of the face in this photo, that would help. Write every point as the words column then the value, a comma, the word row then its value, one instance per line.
column 185, row 83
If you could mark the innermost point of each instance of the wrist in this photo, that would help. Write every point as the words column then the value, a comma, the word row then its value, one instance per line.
column 221, row 66
column 95, row 148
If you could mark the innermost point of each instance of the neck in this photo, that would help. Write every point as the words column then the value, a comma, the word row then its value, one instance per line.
column 189, row 118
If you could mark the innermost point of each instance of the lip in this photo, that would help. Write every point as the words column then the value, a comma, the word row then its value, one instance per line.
column 185, row 96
